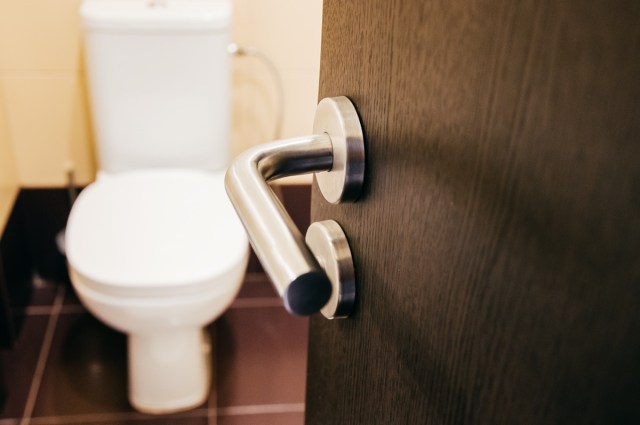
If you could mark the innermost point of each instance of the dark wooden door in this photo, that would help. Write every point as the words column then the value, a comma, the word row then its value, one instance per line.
column 497, row 242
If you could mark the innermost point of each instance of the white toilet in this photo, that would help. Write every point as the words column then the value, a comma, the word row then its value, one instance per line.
column 154, row 247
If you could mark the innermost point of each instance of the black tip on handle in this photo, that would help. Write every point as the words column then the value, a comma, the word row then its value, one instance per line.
column 307, row 294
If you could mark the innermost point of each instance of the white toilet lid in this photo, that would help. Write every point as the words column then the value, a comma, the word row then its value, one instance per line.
column 155, row 228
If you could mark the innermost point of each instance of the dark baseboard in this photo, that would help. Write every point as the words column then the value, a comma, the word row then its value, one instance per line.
column 46, row 211
column 16, row 270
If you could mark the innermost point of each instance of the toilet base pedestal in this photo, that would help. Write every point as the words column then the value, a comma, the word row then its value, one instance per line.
column 169, row 370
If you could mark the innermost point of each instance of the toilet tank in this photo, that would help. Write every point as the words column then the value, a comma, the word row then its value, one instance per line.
column 159, row 82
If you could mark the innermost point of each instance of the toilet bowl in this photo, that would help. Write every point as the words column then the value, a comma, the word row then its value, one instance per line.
column 154, row 248
column 158, row 255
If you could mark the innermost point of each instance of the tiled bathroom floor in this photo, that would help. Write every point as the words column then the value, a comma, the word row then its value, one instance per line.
column 68, row 368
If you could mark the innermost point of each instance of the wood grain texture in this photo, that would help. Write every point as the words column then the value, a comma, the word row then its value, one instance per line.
column 497, row 240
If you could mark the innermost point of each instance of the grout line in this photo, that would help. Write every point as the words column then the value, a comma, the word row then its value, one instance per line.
column 212, row 416
column 256, row 302
column 43, row 310
column 261, row 409
column 210, row 413
column 42, row 358
column 72, row 309
column 253, row 277
column 89, row 418
column 38, row 310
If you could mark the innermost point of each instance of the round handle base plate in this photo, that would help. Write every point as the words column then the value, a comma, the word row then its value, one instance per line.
column 330, row 247
column 337, row 117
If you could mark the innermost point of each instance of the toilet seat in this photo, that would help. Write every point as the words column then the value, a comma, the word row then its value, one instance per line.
column 161, row 232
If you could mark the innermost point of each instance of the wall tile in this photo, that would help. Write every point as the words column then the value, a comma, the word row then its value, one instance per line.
column 242, row 22
column 39, row 35
column 247, row 130
column 301, row 100
column 48, row 118
column 256, row 103
column 288, row 31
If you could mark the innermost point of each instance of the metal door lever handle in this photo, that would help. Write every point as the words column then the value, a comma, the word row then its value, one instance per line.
column 336, row 153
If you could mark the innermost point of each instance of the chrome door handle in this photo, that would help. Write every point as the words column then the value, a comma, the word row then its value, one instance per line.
column 319, row 273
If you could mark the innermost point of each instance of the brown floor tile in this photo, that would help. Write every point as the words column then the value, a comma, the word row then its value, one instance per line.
column 70, row 297
column 157, row 421
column 254, row 265
column 85, row 371
column 86, row 374
column 261, row 357
column 297, row 200
column 122, row 419
column 296, row 418
column 44, row 292
column 19, row 364
column 257, row 285
column 260, row 360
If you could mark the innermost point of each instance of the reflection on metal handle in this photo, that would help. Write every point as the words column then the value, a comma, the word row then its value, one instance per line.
column 336, row 152
column 278, row 243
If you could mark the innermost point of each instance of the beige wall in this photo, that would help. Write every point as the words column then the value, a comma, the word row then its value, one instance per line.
column 46, row 108
column 8, row 174
column 46, row 113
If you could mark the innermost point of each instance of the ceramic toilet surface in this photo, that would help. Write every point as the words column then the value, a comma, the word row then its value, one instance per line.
column 159, row 229
column 158, row 253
